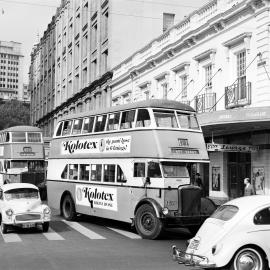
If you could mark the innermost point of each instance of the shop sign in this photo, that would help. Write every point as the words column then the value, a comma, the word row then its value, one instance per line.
column 212, row 147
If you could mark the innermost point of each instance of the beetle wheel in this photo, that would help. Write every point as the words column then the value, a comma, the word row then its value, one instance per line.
column 68, row 208
column 248, row 258
column 45, row 226
column 147, row 224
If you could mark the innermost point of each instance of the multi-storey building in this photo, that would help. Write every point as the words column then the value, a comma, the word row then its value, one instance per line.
column 217, row 60
column 70, row 67
column 11, row 70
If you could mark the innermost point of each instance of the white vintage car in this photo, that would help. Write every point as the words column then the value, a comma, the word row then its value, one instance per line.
column 236, row 236
column 21, row 206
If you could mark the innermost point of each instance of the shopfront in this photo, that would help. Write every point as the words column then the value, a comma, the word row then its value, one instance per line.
column 238, row 143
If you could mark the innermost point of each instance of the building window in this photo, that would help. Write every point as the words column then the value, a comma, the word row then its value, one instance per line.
column 84, row 77
column 77, row 55
column 105, row 18
column 241, row 74
column 105, row 61
column 168, row 21
column 84, row 46
column 94, row 37
column 85, row 15
column 208, row 78
column 184, row 86
column 94, row 70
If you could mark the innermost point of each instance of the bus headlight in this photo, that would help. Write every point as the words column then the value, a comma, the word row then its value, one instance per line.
column 165, row 211
column 9, row 212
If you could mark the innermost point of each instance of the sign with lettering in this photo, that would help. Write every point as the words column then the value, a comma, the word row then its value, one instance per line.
column 212, row 147
column 97, row 145
column 27, row 151
column 96, row 197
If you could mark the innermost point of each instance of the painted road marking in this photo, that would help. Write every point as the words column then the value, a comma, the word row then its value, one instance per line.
column 83, row 230
column 52, row 235
column 11, row 237
column 126, row 233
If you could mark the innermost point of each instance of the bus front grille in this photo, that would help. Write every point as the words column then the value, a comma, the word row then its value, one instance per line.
column 190, row 201
column 28, row 217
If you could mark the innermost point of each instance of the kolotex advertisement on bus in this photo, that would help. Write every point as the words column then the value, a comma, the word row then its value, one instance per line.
column 97, row 145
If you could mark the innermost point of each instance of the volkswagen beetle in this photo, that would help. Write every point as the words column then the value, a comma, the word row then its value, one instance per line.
column 21, row 206
column 235, row 236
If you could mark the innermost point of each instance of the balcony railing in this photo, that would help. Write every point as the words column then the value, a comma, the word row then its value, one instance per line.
column 238, row 95
column 205, row 102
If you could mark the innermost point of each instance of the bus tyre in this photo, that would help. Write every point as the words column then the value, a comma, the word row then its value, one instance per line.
column 147, row 224
column 45, row 226
column 68, row 208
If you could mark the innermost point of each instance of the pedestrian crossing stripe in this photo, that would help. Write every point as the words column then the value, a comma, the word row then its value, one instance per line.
column 126, row 233
column 83, row 230
column 52, row 235
column 11, row 237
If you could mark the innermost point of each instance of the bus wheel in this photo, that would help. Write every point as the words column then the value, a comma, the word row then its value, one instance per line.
column 68, row 208
column 45, row 226
column 147, row 224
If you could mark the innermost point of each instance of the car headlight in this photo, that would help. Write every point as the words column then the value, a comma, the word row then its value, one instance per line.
column 46, row 211
column 9, row 212
column 216, row 248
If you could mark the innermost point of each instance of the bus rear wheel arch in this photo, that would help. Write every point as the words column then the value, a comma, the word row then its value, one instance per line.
column 68, row 210
column 147, row 224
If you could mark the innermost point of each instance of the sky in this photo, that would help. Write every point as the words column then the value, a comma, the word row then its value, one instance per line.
column 25, row 21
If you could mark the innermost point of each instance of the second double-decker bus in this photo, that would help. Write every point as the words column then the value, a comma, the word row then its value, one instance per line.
column 22, row 156
column 129, row 163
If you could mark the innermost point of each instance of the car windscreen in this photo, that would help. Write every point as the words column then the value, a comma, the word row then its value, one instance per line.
column 225, row 212
column 21, row 193
column 174, row 169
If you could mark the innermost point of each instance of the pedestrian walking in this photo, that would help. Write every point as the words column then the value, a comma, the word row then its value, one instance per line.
column 249, row 189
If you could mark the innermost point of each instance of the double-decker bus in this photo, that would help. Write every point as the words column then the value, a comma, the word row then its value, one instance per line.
column 129, row 163
column 22, row 156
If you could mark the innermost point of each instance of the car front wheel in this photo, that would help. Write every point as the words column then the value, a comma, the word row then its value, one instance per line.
column 4, row 228
column 248, row 258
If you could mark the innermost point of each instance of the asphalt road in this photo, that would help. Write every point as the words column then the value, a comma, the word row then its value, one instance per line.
column 88, row 244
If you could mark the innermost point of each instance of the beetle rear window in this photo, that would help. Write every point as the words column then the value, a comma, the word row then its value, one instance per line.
column 225, row 212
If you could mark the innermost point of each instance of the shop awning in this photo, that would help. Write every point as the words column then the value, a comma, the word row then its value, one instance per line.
column 233, row 121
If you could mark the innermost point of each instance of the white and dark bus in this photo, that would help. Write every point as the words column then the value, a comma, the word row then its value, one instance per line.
column 22, row 156
column 129, row 163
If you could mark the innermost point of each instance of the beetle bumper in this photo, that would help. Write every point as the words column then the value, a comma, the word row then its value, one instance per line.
column 190, row 259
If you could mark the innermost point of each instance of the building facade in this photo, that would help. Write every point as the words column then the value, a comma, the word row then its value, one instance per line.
column 216, row 60
column 11, row 70
column 71, row 65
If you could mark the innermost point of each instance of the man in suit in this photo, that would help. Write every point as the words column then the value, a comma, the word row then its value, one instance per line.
column 249, row 189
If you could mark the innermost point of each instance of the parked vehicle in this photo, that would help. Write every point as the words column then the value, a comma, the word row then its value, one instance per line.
column 21, row 206
column 236, row 236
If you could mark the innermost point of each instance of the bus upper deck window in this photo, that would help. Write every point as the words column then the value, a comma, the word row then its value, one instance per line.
column 165, row 118
column 59, row 130
column 100, row 123
column 188, row 121
column 18, row 137
column 113, row 121
column 88, row 125
column 77, row 126
column 7, row 137
column 127, row 120
column 143, row 118
column 67, row 127
column 34, row 137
